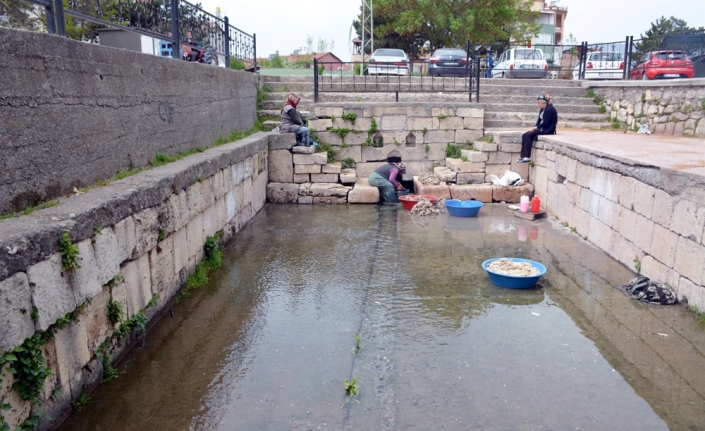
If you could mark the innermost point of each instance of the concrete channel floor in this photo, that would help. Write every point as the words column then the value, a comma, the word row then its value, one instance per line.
column 267, row 344
column 678, row 153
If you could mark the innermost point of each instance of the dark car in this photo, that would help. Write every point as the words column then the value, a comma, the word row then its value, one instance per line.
column 663, row 64
column 448, row 61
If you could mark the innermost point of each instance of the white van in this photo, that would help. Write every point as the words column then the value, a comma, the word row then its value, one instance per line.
column 521, row 63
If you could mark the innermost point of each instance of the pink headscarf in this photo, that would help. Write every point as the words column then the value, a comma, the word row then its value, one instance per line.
column 292, row 99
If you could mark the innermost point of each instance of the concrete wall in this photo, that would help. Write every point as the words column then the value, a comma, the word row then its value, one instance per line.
column 630, row 210
column 73, row 113
column 668, row 107
column 149, row 229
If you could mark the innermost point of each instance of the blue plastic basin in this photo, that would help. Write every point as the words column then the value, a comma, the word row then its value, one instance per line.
column 514, row 281
column 460, row 208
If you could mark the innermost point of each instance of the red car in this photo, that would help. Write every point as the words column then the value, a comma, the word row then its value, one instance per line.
column 663, row 64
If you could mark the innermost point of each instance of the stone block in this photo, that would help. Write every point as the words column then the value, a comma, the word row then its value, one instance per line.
column 84, row 280
column 147, row 226
column 329, row 189
column 439, row 191
column 485, row 146
column 281, row 141
column 597, row 181
column 328, row 111
column 474, row 156
column 281, row 167
column 363, row 193
column 599, row 234
column 690, row 259
column 307, row 169
column 311, row 159
column 478, row 192
column 72, row 352
column 510, row 148
column 607, row 210
column 324, row 178
column 332, row 168
column 210, row 221
column 643, row 199
column 623, row 250
column 642, row 233
column 282, row 193
column 444, row 174
column 439, row 136
column 348, row 176
column 95, row 317
column 626, row 224
column 511, row 194
column 393, row 122
column 363, row 170
column 467, row 136
column 162, row 269
column 300, row 149
column 200, row 196
column 180, row 250
column 419, row 123
column 470, row 112
column 305, row 189
column 458, row 165
column 238, row 172
column 473, row 124
column 663, row 208
column 51, row 291
column 625, row 194
column 329, row 200
column 584, row 175
column 523, row 170
column 658, row 272
column 688, row 220
column 194, row 236
column 16, row 322
column 562, row 165
column 580, row 220
column 416, row 168
column 232, row 208
column 306, row 200
column 177, row 209
column 454, row 123
column 663, row 245
column 470, row 178
column 107, row 258
column 302, row 178
column 445, row 110
column 693, row 293
column 320, row 125
column 498, row 170
column 126, row 239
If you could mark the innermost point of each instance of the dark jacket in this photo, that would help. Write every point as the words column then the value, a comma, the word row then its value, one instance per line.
column 547, row 126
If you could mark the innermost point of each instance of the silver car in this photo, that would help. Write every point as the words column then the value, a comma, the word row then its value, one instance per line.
column 388, row 62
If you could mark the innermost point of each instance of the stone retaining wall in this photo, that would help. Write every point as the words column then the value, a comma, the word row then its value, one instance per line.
column 74, row 113
column 139, row 238
column 669, row 107
column 648, row 218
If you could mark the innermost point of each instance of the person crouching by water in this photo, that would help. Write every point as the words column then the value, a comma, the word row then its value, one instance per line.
column 545, row 125
column 387, row 179
column 291, row 122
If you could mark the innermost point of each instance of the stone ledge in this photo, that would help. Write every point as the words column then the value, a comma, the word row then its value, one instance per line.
column 30, row 239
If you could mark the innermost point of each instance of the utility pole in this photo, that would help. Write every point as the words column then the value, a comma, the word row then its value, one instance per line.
column 367, row 27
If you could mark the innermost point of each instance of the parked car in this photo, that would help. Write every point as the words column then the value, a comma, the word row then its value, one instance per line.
column 602, row 65
column 389, row 62
column 663, row 64
column 521, row 63
column 448, row 61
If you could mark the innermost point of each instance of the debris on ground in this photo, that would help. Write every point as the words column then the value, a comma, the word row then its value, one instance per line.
column 645, row 290
column 509, row 267
column 424, row 207
column 429, row 179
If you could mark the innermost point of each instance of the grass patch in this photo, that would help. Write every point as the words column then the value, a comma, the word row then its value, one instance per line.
column 603, row 109
column 700, row 315
column 453, row 151
column 590, row 93
column 487, row 138
column 350, row 116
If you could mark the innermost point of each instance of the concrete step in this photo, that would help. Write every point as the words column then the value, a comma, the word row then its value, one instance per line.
column 417, row 79
column 306, row 96
column 505, row 125
column 276, row 113
column 532, row 116
column 488, row 107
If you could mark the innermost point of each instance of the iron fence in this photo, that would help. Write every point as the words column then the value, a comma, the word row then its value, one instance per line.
column 181, row 28
column 362, row 77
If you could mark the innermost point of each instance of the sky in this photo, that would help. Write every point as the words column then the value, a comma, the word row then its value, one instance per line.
column 283, row 25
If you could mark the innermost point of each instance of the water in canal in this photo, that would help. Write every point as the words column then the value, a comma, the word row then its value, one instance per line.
column 267, row 345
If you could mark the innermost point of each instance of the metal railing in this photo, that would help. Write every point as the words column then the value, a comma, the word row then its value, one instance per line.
column 364, row 77
column 181, row 26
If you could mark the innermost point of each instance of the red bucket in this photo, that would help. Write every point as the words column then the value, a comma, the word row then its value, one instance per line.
column 408, row 201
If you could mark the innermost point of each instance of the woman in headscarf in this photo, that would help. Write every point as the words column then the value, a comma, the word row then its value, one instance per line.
column 545, row 125
column 291, row 121
column 387, row 178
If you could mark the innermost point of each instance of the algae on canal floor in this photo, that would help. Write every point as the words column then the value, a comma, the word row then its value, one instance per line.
column 267, row 344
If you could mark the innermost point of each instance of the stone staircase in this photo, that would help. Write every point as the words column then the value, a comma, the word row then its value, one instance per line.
column 508, row 103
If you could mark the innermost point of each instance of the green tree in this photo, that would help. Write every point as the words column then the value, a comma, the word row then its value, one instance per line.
column 450, row 23
column 20, row 14
column 651, row 39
